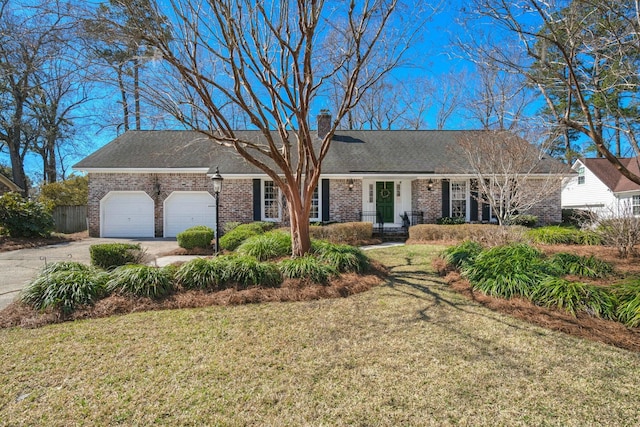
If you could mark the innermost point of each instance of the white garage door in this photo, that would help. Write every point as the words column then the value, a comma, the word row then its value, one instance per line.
column 127, row 214
column 184, row 209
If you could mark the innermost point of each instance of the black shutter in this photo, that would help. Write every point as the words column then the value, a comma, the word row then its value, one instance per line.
column 445, row 198
column 473, row 207
column 325, row 200
column 257, row 200
column 486, row 212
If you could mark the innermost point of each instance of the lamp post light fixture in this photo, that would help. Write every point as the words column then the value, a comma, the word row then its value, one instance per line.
column 217, row 187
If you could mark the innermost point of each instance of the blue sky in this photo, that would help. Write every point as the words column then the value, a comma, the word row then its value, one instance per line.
column 434, row 56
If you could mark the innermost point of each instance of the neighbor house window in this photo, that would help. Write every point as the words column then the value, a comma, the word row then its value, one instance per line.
column 635, row 204
column 272, row 205
column 459, row 199
column 581, row 175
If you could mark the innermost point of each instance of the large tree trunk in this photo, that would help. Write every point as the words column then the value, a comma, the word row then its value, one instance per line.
column 17, row 163
column 50, row 166
column 300, row 237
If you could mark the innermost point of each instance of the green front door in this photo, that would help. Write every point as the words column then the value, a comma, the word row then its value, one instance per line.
column 384, row 201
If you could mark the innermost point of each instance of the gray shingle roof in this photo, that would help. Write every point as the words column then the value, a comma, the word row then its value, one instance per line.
column 611, row 177
column 351, row 152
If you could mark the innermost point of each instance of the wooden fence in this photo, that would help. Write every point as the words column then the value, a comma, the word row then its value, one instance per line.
column 70, row 219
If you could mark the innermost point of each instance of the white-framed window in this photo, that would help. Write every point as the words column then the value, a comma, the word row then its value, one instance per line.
column 581, row 175
column 635, row 204
column 273, row 203
column 458, row 196
column 314, row 213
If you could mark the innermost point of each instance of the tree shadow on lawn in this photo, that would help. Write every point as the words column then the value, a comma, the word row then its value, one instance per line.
column 582, row 325
column 425, row 285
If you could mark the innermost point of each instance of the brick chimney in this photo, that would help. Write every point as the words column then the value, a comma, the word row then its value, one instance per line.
column 324, row 123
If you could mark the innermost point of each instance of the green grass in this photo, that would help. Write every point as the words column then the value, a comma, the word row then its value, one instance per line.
column 628, row 309
column 591, row 266
column 307, row 267
column 410, row 353
column 141, row 281
column 575, row 297
column 343, row 258
column 270, row 245
column 65, row 286
column 462, row 253
column 507, row 271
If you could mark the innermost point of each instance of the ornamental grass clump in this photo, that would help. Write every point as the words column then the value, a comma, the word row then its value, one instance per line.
column 271, row 245
column 628, row 308
column 65, row 287
column 574, row 297
column 234, row 238
column 203, row 273
column 462, row 254
column 245, row 271
column 507, row 271
column 343, row 258
column 141, row 281
column 577, row 265
column 307, row 267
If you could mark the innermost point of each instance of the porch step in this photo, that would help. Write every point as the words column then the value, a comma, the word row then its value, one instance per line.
column 391, row 234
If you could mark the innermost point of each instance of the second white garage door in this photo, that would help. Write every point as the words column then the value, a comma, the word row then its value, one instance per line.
column 184, row 209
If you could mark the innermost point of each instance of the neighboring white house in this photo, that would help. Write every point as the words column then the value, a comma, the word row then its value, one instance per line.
column 599, row 187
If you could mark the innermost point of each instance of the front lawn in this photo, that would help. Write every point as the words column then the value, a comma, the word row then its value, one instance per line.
column 410, row 352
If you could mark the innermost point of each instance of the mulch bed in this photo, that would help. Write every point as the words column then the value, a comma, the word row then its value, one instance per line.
column 582, row 325
column 17, row 314
column 14, row 243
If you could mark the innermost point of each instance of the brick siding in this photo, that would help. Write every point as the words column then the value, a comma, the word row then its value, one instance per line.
column 345, row 204
column 236, row 199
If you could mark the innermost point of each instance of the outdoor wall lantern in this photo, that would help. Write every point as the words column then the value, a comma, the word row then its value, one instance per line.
column 350, row 184
column 430, row 185
column 156, row 186
column 217, row 187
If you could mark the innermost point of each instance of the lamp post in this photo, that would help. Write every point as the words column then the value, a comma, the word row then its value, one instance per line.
column 217, row 187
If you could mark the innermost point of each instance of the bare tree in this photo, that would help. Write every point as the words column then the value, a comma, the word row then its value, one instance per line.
column 512, row 175
column 583, row 53
column 389, row 104
column 272, row 59
column 447, row 94
column 29, row 38
column 618, row 225
column 496, row 99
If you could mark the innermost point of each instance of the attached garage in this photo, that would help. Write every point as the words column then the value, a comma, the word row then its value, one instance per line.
column 184, row 209
column 127, row 214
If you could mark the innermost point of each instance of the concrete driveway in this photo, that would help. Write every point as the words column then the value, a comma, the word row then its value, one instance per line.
column 19, row 267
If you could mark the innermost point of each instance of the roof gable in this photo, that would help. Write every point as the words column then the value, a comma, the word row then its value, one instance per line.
column 6, row 182
column 610, row 176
